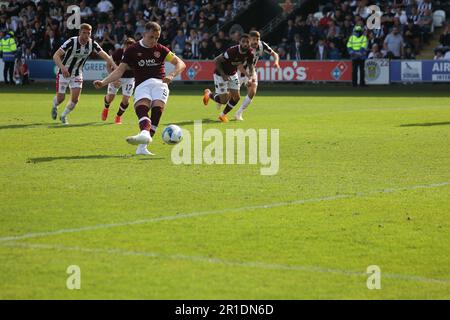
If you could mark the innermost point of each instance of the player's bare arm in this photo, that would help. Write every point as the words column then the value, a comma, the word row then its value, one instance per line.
column 109, row 61
column 179, row 67
column 219, row 60
column 276, row 59
column 57, row 58
column 113, row 76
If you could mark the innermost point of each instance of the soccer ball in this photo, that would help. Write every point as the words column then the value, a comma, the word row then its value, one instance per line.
column 172, row 134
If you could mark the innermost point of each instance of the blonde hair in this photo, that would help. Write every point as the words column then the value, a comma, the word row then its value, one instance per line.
column 85, row 26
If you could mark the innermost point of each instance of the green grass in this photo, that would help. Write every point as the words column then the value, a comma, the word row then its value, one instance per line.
column 332, row 142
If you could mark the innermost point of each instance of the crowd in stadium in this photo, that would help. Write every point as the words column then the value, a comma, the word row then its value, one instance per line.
column 406, row 25
column 39, row 26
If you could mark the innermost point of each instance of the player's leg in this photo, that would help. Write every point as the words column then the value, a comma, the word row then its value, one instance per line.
column 61, row 86
column 75, row 85
column 160, row 96
column 127, row 91
column 122, row 108
column 234, row 87
column 252, row 87
column 108, row 99
column 220, row 95
column 142, row 104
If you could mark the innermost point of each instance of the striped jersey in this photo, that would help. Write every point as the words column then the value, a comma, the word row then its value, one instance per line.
column 262, row 49
column 76, row 54
column 423, row 6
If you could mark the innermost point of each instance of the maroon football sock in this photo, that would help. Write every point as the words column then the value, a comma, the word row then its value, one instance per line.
column 155, row 117
column 230, row 105
column 122, row 109
column 215, row 97
column 142, row 114
column 107, row 104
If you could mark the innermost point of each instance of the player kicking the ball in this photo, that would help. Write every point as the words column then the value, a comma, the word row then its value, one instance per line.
column 146, row 59
column 70, row 59
column 226, row 77
column 126, row 83
column 260, row 48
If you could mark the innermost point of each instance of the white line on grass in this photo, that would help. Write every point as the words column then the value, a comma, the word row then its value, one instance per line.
column 233, row 263
column 217, row 212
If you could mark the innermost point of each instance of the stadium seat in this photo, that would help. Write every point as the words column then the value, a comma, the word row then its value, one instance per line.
column 318, row 15
column 439, row 18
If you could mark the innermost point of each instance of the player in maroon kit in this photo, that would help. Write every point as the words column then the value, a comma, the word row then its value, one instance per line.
column 126, row 83
column 226, row 77
column 146, row 58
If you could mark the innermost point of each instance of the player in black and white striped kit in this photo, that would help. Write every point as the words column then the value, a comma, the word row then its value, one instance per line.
column 260, row 48
column 70, row 59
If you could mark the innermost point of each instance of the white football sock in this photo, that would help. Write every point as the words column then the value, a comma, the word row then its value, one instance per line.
column 245, row 104
column 69, row 108
column 55, row 102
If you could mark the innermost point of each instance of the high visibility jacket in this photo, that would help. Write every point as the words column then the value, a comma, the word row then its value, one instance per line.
column 357, row 45
column 9, row 48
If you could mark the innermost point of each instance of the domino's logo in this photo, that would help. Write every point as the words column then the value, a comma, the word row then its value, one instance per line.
column 193, row 71
column 336, row 73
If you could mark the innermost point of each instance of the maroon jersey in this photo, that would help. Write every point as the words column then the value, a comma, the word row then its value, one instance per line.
column 147, row 62
column 117, row 57
column 233, row 58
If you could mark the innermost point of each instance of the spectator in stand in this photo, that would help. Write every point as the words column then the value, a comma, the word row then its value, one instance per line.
column 321, row 50
column 107, row 43
column 439, row 54
column 187, row 52
column 85, row 11
column 52, row 43
column 333, row 52
column 444, row 39
column 409, row 53
column 291, row 30
column 205, row 52
column 394, row 44
column 282, row 53
column 28, row 54
column 425, row 23
column 411, row 35
column 219, row 48
column 375, row 53
column 295, row 52
column 178, row 42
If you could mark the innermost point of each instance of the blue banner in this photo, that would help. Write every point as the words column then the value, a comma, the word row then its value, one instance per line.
column 420, row 71
column 42, row 69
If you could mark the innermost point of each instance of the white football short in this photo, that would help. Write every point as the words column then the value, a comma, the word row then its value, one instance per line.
column 152, row 89
column 72, row 82
column 223, row 86
column 244, row 80
column 126, row 84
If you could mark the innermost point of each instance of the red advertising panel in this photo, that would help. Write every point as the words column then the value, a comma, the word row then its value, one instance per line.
column 330, row 71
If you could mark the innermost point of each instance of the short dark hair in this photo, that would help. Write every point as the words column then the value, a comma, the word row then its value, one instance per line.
column 255, row 34
column 245, row 35
column 129, row 41
column 152, row 26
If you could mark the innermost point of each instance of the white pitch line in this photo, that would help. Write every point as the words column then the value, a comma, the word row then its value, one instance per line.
column 216, row 212
column 232, row 263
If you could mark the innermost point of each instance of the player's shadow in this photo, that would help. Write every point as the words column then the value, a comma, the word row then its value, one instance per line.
column 191, row 122
column 426, row 124
column 23, row 126
column 89, row 157
column 78, row 125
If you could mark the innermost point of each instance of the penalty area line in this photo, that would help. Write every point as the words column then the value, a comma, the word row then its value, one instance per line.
column 218, row 212
column 224, row 262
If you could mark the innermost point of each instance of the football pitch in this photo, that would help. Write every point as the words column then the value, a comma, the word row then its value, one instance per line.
column 363, row 180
